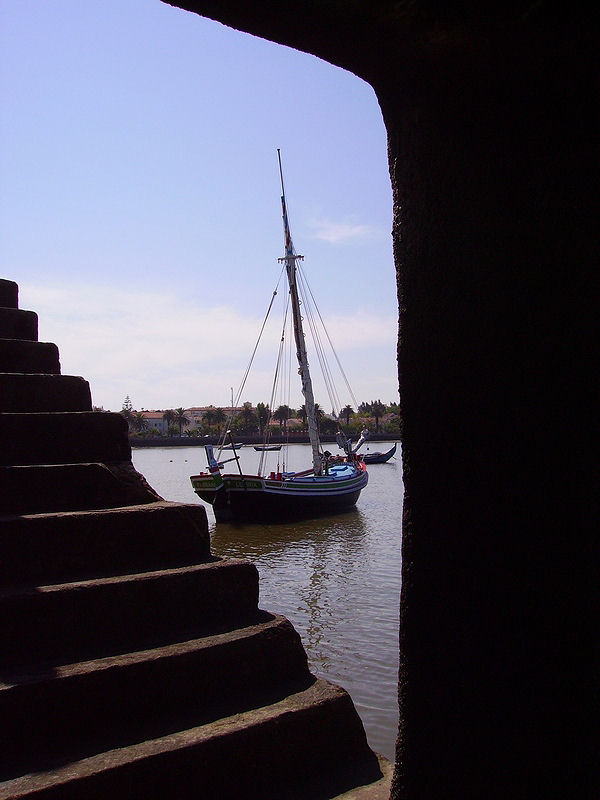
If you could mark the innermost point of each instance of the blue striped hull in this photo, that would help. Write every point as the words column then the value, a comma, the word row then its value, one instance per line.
column 255, row 499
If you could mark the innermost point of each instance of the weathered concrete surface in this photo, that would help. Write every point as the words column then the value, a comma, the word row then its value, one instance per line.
column 18, row 324
column 124, row 699
column 17, row 355
column 31, row 393
column 63, row 438
column 9, row 294
column 377, row 790
column 71, row 487
column 226, row 758
column 491, row 114
column 41, row 549
column 57, row 623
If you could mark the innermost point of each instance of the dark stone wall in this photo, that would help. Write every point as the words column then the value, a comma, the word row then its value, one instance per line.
column 491, row 120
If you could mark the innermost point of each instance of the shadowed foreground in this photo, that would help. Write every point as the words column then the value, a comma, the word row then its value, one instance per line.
column 134, row 663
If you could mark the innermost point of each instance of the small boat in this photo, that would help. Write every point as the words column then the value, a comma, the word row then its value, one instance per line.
column 267, row 447
column 233, row 446
column 330, row 485
column 379, row 458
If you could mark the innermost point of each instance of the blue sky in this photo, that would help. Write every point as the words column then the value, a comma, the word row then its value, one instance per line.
column 139, row 200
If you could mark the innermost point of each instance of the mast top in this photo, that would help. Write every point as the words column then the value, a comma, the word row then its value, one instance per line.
column 290, row 252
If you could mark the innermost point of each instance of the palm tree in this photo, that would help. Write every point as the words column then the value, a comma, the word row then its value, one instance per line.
column 378, row 410
column 219, row 418
column 302, row 415
column 181, row 419
column 209, row 416
column 248, row 417
column 139, row 422
column 319, row 414
column 346, row 413
column 262, row 412
column 282, row 414
column 169, row 417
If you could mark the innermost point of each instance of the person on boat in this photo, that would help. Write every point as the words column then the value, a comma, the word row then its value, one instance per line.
column 325, row 457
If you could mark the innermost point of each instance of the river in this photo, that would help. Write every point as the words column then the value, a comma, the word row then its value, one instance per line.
column 336, row 579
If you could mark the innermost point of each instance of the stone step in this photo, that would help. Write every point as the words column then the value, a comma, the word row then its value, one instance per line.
column 31, row 393
column 63, row 438
column 78, row 708
column 18, row 355
column 375, row 790
column 9, row 294
column 18, row 324
column 71, row 487
column 56, row 548
column 310, row 744
column 89, row 619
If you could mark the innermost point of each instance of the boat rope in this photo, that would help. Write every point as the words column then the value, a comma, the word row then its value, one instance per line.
column 235, row 402
column 274, row 387
column 323, row 362
column 307, row 292
column 245, row 378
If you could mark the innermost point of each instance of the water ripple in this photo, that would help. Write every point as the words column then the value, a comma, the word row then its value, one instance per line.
column 336, row 579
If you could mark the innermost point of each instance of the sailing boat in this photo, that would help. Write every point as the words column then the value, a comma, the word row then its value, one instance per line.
column 330, row 485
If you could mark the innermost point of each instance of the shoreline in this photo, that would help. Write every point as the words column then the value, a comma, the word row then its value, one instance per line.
column 195, row 441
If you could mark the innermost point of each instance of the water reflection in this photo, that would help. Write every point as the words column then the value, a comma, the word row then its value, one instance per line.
column 312, row 565
column 242, row 539
column 337, row 579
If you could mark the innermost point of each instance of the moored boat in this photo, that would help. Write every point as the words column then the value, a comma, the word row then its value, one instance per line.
column 330, row 485
column 378, row 457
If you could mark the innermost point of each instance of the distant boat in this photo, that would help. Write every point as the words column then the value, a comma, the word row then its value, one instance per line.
column 263, row 447
column 234, row 446
column 379, row 458
column 330, row 485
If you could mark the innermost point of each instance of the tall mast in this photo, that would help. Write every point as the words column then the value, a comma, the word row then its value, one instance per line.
column 290, row 259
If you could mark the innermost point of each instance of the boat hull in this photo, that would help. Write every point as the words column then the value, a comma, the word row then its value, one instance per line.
column 379, row 458
column 250, row 498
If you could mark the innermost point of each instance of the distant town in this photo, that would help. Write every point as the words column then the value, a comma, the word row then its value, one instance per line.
column 250, row 420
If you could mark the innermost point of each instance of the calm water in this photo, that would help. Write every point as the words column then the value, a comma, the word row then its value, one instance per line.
column 336, row 579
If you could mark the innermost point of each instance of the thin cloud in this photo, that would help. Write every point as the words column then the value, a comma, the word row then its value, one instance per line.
column 165, row 352
column 340, row 232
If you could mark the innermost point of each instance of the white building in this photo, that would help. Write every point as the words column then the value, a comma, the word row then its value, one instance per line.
column 155, row 420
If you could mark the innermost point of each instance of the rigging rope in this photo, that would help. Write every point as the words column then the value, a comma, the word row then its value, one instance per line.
column 246, row 373
column 275, row 385
column 309, row 294
column 245, row 378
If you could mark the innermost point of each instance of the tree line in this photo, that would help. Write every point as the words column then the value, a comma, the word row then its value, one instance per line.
column 252, row 420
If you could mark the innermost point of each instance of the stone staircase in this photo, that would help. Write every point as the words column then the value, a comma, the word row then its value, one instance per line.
column 133, row 663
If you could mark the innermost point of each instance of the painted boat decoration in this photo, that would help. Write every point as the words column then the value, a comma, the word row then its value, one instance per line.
column 330, row 485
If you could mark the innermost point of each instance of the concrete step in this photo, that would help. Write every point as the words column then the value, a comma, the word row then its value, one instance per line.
column 58, row 623
column 18, row 324
column 375, row 790
column 30, row 393
column 18, row 355
column 9, row 294
column 40, row 549
column 63, row 438
column 76, row 709
column 71, row 487
column 309, row 745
